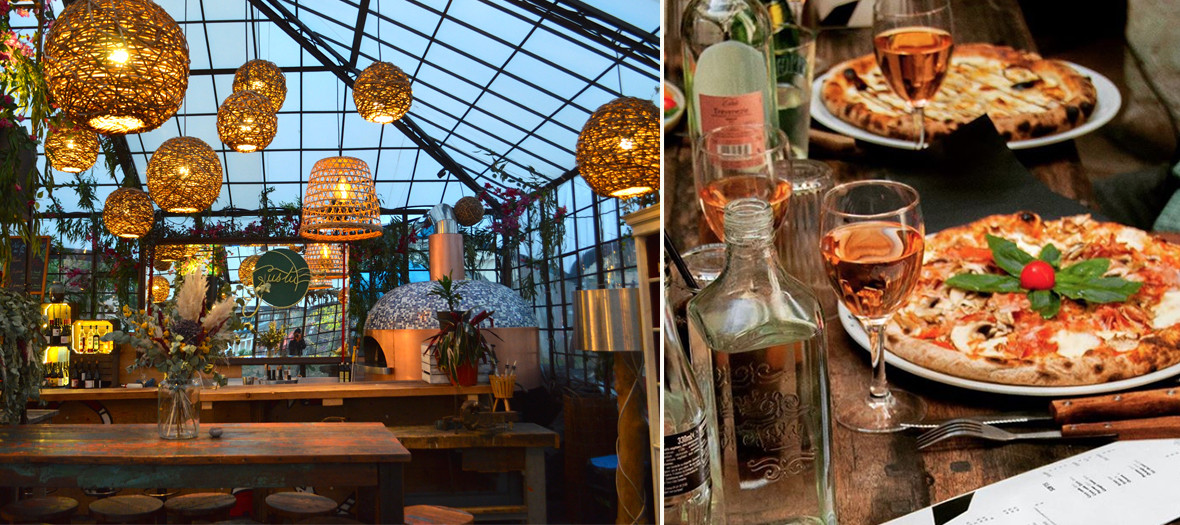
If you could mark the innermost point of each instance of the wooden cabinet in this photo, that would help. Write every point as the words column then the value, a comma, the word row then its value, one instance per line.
column 645, row 227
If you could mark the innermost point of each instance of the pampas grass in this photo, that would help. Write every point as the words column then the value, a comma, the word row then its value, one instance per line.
column 220, row 312
column 190, row 299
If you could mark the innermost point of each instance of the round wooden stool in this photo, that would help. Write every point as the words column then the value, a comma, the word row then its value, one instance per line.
column 240, row 520
column 427, row 514
column 40, row 510
column 299, row 505
column 126, row 509
column 201, row 505
column 329, row 520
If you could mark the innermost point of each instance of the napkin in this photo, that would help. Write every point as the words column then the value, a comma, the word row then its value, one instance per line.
column 971, row 174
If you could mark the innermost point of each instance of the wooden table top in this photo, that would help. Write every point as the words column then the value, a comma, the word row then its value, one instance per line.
column 520, row 435
column 240, row 443
column 362, row 389
column 880, row 477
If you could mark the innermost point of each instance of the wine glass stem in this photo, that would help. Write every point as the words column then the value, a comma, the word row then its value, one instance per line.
column 879, row 388
column 919, row 122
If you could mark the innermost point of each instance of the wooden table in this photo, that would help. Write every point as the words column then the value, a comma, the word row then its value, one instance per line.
column 246, row 455
column 520, row 449
column 882, row 477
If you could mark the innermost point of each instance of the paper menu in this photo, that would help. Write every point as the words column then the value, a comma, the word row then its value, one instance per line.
column 1131, row 482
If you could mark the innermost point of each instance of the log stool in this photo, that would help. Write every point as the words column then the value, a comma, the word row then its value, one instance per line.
column 428, row 514
column 52, row 509
column 299, row 505
column 126, row 509
column 329, row 520
column 240, row 520
column 208, row 506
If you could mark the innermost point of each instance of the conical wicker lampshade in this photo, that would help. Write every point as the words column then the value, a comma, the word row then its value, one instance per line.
column 326, row 260
column 160, row 289
column 184, row 175
column 128, row 213
column 382, row 93
column 246, row 270
column 71, row 149
column 619, row 148
column 319, row 282
column 116, row 66
column 246, row 121
column 265, row 78
column 341, row 202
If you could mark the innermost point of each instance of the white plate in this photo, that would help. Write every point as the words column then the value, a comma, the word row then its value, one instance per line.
column 1107, row 107
column 852, row 326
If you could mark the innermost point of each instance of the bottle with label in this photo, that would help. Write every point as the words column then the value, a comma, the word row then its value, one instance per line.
column 690, row 443
column 764, row 348
column 66, row 333
column 54, row 332
column 75, row 375
column 96, row 341
column 729, row 76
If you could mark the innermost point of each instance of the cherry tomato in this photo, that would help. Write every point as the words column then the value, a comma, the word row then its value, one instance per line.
column 1037, row 275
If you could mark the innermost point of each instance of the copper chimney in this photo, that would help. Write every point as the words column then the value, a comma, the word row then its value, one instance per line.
column 446, row 244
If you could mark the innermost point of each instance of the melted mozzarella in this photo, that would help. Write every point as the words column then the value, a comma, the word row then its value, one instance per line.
column 1074, row 344
column 1167, row 313
column 1131, row 238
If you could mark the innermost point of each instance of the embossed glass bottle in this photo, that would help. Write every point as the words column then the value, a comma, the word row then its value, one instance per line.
column 763, row 337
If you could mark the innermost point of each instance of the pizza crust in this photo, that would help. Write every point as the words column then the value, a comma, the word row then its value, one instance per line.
column 1025, row 95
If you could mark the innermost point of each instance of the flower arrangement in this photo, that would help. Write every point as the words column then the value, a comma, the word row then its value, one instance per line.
column 272, row 337
column 21, row 350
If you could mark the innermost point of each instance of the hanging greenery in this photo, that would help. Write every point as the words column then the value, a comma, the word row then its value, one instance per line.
column 21, row 351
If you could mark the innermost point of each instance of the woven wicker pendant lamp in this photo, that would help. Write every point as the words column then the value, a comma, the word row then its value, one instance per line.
column 246, row 270
column 173, row 252
column 382, row 93
column 128, row 213
column 116, row 66
column 326, row 260
column 160, row 289
column 619, row 148
column 71, row 149
column 162, row 266
column 265, row 78
column 184, row 175
column 340, row 203
column 246, row 121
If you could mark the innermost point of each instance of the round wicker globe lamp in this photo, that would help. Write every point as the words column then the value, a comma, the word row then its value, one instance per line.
column 340, row 203
column 162, row 266
column 326, row 260
column 265, row 78
column 246, row 121
column 71, row 149
column 619, row 148
column 382, row 93
column 469, row 211
column 246, row 270
column 172, row 252
column 160, row 289
column 184, row 175
column 116, row 66
column 128, row 213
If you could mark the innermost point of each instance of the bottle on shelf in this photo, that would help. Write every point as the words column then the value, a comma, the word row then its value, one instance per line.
column 54, row 332
column 97, row 341
column 690, row 443
column 765, row 352
column 75, row 374
column 87, row 376
column 66, row 333
column 729, row 72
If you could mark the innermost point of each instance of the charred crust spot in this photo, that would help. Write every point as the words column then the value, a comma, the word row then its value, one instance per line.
column 1067, row 365
column 1098, row 368
column 1087, row 108
column 1071, row 113
column 1040, row 130
column 1024, row 126
column 851, row 76
column 1028, row 216
column 1007, row 136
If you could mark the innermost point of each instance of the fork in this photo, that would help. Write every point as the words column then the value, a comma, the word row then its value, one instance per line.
column 973, row 428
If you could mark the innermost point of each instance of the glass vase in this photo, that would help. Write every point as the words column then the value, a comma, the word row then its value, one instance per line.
column 179, row 409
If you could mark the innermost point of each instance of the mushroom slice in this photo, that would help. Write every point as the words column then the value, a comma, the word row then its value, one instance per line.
column 964, row 334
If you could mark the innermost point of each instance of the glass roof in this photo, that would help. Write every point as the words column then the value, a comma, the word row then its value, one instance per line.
column 510, row 80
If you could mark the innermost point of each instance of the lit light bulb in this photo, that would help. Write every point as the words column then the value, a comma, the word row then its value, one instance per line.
column 342, row 190
column 70, row 145
column 119, row 55
column 183, row 170
column 625, row 143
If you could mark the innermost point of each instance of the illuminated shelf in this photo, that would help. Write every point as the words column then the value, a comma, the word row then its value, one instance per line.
column 84, row 332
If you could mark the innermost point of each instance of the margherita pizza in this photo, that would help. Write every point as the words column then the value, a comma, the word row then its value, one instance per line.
column 1025, row 95
column 1003, row 337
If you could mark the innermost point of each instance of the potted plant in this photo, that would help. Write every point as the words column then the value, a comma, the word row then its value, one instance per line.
column 21, row 351
column 448, row 290
column 271, row 338
column 460, row 345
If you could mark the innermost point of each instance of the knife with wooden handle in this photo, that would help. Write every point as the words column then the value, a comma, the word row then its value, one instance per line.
column 1149, row 428
column 1112, row 407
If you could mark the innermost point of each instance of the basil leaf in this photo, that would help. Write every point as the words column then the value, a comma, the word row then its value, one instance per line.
column 1045, row 302
column 1099, row 290
column 1051, row 255
column 1085, row 270
column 1008, row 255
column 985, row 282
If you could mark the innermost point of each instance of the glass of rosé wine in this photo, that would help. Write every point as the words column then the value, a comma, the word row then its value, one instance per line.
column 737, row 161
column 872, row 248
column 912, row 43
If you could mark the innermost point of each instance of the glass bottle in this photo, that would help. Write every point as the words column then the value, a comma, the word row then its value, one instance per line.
column 690, row 443
column 762, row 336
column 729, row 76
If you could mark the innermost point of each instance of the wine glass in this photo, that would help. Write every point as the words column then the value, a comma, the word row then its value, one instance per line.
column 737, row 161
column 912, row 42
column 872, row 249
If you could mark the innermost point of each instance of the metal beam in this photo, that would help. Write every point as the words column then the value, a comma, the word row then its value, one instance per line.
column 311, row 42
column 123, row 155
column 361, row 15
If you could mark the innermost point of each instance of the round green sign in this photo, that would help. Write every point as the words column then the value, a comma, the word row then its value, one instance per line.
column 288, row 275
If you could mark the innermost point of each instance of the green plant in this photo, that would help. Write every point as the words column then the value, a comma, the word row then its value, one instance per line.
column 460, row 340
column 448, row 290
column 271, row 338
column 21, row 351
